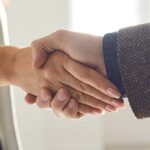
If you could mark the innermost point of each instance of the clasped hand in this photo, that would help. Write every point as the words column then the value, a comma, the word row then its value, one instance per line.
column 59, row 81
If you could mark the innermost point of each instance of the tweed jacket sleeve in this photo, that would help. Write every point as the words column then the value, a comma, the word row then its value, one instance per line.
column 133, row 53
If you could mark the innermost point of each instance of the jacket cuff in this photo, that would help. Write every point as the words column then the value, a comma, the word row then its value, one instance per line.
column 111, row 62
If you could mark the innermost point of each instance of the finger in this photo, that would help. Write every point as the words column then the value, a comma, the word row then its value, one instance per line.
column 71, row 109
column 85, row 109
column 41, row 47
column 82, row 110
column 110, row 108
column 44, row 98
column 95, row 103
column 88, row 100
column 60, row 100
column 93, row 78
column 39, row 54
column 89, row 90
column 30, row 99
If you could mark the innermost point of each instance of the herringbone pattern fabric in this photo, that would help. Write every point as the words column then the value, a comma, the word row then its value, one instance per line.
column 134, row 62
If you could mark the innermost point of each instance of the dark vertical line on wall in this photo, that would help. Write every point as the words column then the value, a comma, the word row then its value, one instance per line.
column 1, row 146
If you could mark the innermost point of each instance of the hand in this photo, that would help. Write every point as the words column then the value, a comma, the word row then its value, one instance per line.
column 81, row 47
column 61, row 71
column 84, row 48
column 68, row 107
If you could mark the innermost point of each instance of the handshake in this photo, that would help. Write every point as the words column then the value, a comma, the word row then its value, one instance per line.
column 65, row 71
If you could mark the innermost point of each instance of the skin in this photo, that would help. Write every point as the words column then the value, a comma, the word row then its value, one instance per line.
column 59, row 106
column 60, row 71
column 87, row 49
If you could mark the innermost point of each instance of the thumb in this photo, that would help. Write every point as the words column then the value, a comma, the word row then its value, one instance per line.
column 42, row 47
column 30, row 99
column 39, row 54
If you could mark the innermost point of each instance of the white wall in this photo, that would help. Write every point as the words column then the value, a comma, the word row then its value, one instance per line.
column 41, row 130
column 122, row 130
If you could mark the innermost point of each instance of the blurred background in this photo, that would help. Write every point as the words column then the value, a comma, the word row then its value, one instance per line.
column 42, row 130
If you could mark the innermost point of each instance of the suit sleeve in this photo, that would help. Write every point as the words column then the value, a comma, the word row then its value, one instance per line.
column 133, row 56
column 111, row 62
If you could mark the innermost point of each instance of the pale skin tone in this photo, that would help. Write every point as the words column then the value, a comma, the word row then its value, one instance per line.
column 81, row 47
column 60, row 71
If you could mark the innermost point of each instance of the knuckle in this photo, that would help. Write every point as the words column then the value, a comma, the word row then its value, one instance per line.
column 71, row 111
column 41, row 104
column 83, row 87
column 45, row 94
column 84, row 74
column 76, row 95
column 34, row 43
column 59, row 105
column 56, row 56
column 80, row 97
column 62, row 38
column 65, row 93
column 60, row 32
column 100, row 84
column 55, row 106
column 101, row 106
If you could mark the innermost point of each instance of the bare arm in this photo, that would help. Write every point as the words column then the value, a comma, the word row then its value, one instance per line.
column 59, row 71
column 6, row 63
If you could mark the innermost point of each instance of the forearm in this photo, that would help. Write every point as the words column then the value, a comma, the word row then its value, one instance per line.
column 7, row 59
column 23, row 73
column 16, row 68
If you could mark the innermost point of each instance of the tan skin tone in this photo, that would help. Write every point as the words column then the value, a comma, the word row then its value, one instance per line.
column 81, row 47
column 57, row 105
column 59, row 71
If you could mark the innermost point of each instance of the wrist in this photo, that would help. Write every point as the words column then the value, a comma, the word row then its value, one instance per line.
column 7, row 57
column 21, row 66
column 100, row 56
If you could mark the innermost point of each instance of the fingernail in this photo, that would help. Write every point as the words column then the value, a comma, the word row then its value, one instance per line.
column 61, row 96
column 45, row 97
column 110, row 108
column 114, row 93
column 123, row 107
column 98, row 112
column 116, row 103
